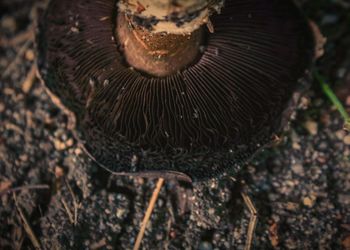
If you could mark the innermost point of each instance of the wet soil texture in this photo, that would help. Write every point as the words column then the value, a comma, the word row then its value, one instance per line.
column 300, row 187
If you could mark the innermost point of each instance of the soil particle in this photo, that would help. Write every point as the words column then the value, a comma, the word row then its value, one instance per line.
column 300, row 187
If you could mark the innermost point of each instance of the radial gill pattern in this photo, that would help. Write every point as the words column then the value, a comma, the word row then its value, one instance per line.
column 211, row 116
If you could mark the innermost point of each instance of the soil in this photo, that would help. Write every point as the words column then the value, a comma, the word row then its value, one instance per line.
column 300, row 187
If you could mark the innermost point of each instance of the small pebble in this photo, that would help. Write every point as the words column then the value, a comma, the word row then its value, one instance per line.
column 347, row 140
column 312, row 127
column 298, row 169
column 347, row 101
column 69, row 142
column 292, row 206
column 2, row 107
column 346, row 242
column 59, row 145
column 344, row 199
column 340, row 134
column 74, row 29
column 309, row 201
column 120, row 213
column 78, row 151
column 4, row 185
column 205, row 245
column 29, row 55
column 59, row 172
column 330, row 19
column 296, row 146
column 9, row 23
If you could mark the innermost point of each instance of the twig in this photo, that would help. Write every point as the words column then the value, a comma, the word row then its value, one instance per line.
column 75, row 203
column 24, row 188
column 20, row 38
column 148, row 213
column 28, row 81
column 26, row 225
column 210, row 26
column 22, row 50
column 29, row 33
column 98, row 245
column 343, row 3
column 252, row 221
column 66, row 207
column 73, row 217
column 171, row 220
column 334, row 99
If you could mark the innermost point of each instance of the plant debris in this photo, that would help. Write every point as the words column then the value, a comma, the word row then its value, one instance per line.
column 112, row 207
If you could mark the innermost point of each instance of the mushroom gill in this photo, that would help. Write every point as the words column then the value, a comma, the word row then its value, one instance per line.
column 218, row 101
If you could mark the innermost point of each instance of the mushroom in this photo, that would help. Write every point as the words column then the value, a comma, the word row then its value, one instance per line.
column 154, row 92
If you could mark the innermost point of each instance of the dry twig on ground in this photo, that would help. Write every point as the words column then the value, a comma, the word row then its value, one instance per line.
column 252, row 221
column 15, row 189
column 148, row 213
column 26, row 225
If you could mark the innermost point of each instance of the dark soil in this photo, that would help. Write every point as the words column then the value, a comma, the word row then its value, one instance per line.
column 301, row 187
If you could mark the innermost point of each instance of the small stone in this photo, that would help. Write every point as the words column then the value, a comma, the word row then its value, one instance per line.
column 23, row 157
column 298, row 169
column 69, row 142
column 59, row 145
column 134, row 160
column 344, row 199
column 347, row 101
column 292, row 206
column 205, row 245
column 321, row 159
column 304, row 102
column 78, row 151
column 326, row 119
column 2, row 107
column 291, row 244
column 99, row 244
column 340, row 134
column 29, row 55
column 172, row 234
column 160, row 202
column 346, row 140
column 159, row 236
column 211, row 211
column 345, row 226
column 312, row 127
column 9, row 23
column 74, row 29
column 330, row 19
column 4, row 185
column 9, row 91
column 296, row 146
column 120, row 213
column 59, row 172
column 273, row 234
column 309, row 201
column 346, row 242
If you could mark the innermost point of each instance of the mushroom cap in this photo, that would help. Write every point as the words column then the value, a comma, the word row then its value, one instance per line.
column 208, row 118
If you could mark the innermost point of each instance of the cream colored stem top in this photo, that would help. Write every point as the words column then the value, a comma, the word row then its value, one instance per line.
column 171, row 16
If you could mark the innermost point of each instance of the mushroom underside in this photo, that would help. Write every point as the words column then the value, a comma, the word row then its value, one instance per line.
column 209, row 117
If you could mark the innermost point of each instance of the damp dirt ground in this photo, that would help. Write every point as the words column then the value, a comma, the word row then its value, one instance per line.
column 300, row 187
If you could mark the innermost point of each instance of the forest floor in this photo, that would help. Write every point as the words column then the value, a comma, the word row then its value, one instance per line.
column 53, row 196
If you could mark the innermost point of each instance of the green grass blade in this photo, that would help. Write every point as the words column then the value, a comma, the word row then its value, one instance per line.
column 334, row 99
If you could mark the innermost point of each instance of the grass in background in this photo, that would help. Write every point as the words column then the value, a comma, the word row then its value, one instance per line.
column 333, row 98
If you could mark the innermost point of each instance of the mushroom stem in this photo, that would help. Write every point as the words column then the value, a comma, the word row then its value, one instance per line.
column 158, row 54
column 172, row 16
